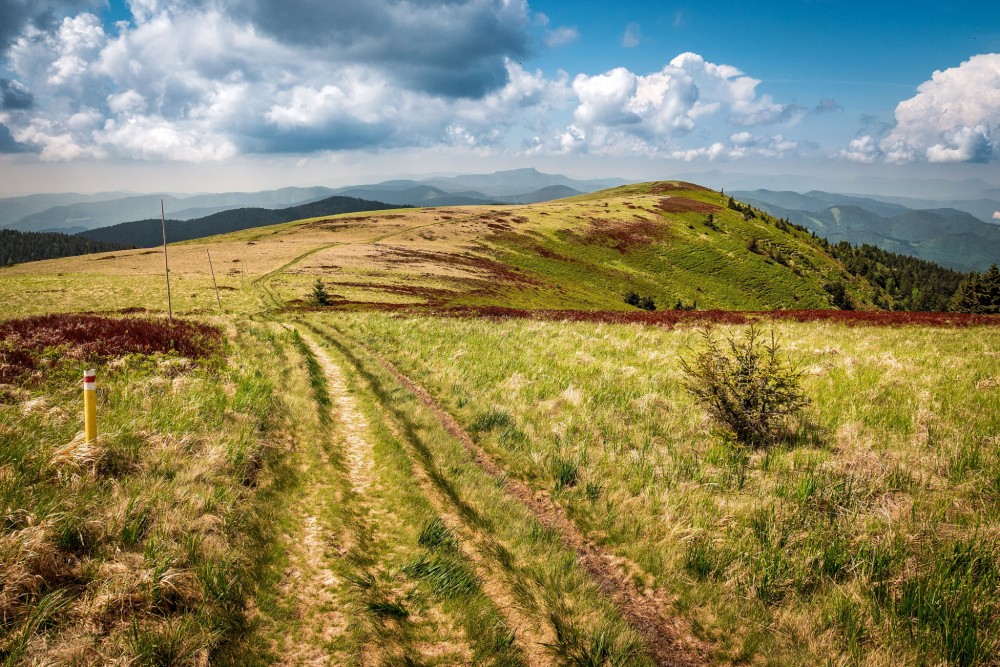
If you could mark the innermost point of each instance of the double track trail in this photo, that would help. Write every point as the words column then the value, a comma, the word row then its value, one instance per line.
column 663, row 638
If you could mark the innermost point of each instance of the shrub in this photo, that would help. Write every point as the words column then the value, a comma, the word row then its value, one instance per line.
column 639, row 301
column 745, row 385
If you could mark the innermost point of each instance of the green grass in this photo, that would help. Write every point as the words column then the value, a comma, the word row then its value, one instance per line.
column 871, row 535
column 147, row 544
column 539, row 574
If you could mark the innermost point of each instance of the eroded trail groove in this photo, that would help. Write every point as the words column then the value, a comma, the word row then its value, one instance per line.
column 351, row 421
column 531, row 635
column 665, row 634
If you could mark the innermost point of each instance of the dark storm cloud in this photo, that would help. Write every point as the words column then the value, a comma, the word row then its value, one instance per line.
column 16, row 15
column 454, row 48
column 14, row 96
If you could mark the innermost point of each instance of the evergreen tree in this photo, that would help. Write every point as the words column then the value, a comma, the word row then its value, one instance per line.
column 319, row 296
column 978, row 293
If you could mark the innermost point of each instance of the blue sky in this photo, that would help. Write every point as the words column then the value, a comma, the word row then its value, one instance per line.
column 244, row 94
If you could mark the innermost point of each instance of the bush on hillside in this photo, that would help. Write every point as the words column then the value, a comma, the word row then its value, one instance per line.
column 639, row 301
column 745, row 385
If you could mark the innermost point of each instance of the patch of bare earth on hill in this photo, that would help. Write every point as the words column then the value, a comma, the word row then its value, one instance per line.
column 352, row 424
column 309, row 584
column 667, row 636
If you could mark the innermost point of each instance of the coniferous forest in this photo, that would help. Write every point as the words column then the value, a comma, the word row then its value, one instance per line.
column 17, row 247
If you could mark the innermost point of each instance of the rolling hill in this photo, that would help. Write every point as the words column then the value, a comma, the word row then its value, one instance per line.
column 674, row 243
column 481, row 454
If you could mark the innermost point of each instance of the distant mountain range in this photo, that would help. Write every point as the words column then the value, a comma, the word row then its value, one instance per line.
column 149, row 233
column 945, row 235
column 75, row 213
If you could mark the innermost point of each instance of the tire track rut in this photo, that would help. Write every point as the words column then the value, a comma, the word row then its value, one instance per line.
column 666, row 636
column 531, row 635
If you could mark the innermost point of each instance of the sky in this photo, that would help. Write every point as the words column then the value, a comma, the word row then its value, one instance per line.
column 213, row 95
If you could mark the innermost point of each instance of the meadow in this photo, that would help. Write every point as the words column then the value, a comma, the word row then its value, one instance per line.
column 482, row 455
column 868, row 538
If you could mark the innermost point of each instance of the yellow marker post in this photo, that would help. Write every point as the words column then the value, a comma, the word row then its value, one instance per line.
column 90, row 405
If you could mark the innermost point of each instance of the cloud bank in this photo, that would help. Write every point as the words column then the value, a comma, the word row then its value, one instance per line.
column 954, row 117
column 207, row 80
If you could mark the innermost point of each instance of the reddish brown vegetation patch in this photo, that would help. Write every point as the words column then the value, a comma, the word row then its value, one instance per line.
column 670, row 318
column 666, row 186
column 94, row 337
column 685, row 205
column 492, row 269
column 353, row 221
column 623, row 235
column 542, row 251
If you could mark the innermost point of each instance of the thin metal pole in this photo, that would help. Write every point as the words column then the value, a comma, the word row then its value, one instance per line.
column 215, row 284
column 166, row 265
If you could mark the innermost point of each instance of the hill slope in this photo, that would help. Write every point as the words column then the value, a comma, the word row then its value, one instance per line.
column 947, row 236
column 674, row 243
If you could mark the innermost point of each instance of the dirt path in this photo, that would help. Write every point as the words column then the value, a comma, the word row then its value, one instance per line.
column 308, row 585
column 532, row 636
column 351, row 423
column 667, row 637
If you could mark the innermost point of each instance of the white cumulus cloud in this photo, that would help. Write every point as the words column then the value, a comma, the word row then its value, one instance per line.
column 188, row 80
column 621, row 112
column 954, row 117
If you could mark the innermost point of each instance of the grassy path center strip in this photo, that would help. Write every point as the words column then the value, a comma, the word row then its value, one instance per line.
column 359, row 456
column 665, row 634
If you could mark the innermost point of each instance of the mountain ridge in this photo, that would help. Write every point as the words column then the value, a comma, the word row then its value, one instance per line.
column 68, row 210
column 946, row 236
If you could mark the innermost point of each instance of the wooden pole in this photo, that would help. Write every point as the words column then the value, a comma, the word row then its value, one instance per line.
column 214, row 284
column 166, row 265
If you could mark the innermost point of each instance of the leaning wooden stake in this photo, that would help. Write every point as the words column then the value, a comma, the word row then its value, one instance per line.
column 214, row 284
column 166, row 265
column 90, row 405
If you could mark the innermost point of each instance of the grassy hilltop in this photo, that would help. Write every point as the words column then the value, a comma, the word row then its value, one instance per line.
column 673, row 242
column 373, row 484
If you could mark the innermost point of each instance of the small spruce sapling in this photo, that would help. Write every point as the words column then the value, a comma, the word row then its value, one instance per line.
column 745, row 385
column 319, row 296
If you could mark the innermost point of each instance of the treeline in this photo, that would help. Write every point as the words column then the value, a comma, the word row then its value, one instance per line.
column 17, row 247
column 148, row 233
column 911, row 283
column 904, row 282
column 979, row 293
